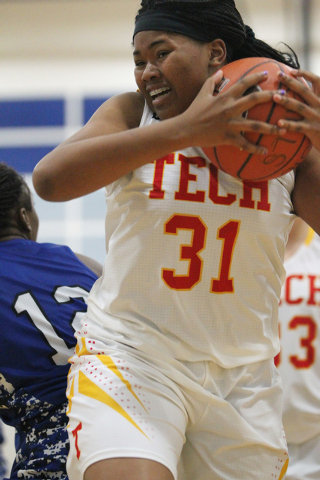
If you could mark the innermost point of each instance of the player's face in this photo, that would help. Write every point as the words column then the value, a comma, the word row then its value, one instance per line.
column 170, row 70
column 34, row 222
column 33, row 218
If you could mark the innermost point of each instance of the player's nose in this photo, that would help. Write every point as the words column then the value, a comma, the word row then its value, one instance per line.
column 150, row 72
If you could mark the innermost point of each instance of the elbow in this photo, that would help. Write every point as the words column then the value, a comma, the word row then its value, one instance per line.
column 44, row 184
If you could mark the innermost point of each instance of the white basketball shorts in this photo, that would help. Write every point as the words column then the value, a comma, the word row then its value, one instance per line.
column 215, row 423
column 304, row 461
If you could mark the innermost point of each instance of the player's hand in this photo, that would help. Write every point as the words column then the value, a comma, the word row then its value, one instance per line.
column 220, row 119
column 310, row 111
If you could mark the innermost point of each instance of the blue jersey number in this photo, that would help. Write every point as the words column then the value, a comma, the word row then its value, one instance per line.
column 26, row 303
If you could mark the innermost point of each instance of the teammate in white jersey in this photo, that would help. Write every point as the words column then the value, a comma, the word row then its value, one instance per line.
column 174, row 374
column 299, row 362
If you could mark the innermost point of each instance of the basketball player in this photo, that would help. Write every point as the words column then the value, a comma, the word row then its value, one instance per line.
column 42, row 295
column 173, row 375
column 3, row 463
column 299, row 362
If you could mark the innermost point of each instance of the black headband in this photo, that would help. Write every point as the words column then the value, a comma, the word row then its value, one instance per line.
column 170, row 22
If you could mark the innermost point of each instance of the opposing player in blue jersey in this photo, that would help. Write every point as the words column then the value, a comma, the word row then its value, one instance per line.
column 43, row 289
column 3, row 463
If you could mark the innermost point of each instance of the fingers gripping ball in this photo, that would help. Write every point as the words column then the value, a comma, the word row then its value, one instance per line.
column 285, row 152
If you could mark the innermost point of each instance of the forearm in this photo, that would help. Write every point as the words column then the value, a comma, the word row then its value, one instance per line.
column 112, row 145
column 77, row 168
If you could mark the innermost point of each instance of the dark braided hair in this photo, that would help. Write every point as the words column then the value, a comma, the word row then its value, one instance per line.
column 14, row 194
column 221, row 19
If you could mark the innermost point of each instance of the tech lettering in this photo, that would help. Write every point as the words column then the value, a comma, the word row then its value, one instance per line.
column 214, row 191
column 295, row 283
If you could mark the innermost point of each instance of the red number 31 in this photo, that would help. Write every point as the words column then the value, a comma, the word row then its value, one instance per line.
column 228, row 233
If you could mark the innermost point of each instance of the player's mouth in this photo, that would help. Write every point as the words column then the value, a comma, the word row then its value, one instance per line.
column 158, row 94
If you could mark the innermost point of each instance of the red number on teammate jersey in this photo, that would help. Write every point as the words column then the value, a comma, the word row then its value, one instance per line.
column 277, row 358
column 305, row 342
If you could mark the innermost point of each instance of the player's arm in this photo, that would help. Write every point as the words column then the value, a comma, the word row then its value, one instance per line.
column 95, row 266
column 306, row 192
column 78, row 165
column 111, row 144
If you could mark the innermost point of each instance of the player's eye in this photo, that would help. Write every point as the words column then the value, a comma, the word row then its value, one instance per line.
column 163, row 54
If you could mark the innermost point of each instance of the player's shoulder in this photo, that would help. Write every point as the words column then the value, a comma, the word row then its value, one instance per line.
column 130, row 99
column 53, row 248
column 127, row 107
column 48, row 253
column 55, row 253
column 28, row 248
column 309, row 251
column 313, row 240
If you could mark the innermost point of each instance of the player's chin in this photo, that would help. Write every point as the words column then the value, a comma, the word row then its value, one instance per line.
column 169, row 109
column 165, row 113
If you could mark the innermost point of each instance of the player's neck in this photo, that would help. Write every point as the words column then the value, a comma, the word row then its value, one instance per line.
column 11, row 234
column 297, row 236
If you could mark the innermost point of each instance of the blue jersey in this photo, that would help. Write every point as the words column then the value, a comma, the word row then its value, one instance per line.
column 43, row 290
column 2, row 459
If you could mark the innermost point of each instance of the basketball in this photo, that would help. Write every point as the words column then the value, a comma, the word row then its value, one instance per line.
column 284, row 153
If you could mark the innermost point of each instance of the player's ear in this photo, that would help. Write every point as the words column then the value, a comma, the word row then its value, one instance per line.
column 23, row 219
column 218, row 53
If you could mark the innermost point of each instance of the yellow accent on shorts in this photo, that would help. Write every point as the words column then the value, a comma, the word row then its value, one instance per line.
column 88, row 388
column 83, row 350
column 106, row 360
column 284, row 469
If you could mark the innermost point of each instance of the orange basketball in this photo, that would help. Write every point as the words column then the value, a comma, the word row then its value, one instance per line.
column 284, row 153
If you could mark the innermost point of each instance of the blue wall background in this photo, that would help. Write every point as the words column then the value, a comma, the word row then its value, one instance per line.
column 29, row 129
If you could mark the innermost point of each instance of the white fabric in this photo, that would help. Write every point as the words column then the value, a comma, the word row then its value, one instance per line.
column 187, row 312
column 299, row 365
column 304, row 461
column 206, row 422
column 151, row 298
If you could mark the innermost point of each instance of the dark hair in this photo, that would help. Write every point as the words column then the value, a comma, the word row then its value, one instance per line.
column 220, row 19
column 14, row 194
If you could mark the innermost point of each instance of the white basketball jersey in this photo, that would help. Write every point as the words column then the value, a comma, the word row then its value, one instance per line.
column 299, row 362
column 194, row 262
